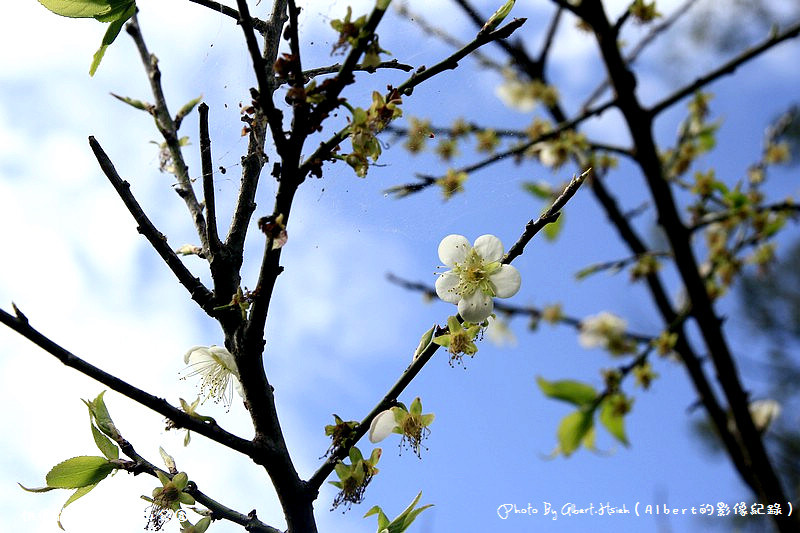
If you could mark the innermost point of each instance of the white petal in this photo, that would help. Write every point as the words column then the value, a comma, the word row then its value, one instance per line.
column 445, row 285
column 475, row 308
column 506, row 281
column 489, row 248
column 193, row 349
column 381, row 426
column 237, row 386
column 224, row 356
column 589, row 339
column 453, row 249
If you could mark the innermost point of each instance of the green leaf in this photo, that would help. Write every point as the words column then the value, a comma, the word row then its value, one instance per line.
column 574, row 392
column 83, row 491
column 552, row 229
column 187, row 108
column 169, row 462
column 540, row 189
column 104, row 444
column 83, row 8
column 383, row 520
column 498, row 17
column 138, row 104
column 79, row 472
column 572, row 430
column 37, row 489
column 99, row 413
column 613, row 420
column 111, row 34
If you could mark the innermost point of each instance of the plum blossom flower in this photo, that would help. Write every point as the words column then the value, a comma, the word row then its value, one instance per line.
column 218, row 370
column 606, row 330
column 476, row 275
column 764, row 412
column 382, row 426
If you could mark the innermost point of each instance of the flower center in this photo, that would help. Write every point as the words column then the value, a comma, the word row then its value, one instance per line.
column 474, row 275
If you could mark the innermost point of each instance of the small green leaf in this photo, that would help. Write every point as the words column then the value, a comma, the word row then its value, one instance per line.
column 79, row 472
column 138, row 104
column 83, row 491
column 540, row 189
column 187, row 108
column 104, row 444
column 383, row 520
column 83, row 8
column 99, row 413
column 424, row 341
column 498, row 17
column 169, row 462
column 572, row 430
column 552, row 230
column 574, row 392
column 613, row 420
column 111, row 34
column 37, row 489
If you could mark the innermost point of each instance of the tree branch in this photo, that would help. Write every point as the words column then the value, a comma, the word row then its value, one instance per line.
column 548, row 217
column 166, row 126
column 197, row 290
column 181, row 419
column 214, row 244
column 728, row 68
column 258, row 24
column 758, row 471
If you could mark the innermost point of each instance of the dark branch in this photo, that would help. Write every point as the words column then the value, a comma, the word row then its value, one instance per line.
column 728, row 68
column 198, row 291
column 259, row 25
column 169, row 131
column 548, row 217
column 214, row 244
column 180, row 418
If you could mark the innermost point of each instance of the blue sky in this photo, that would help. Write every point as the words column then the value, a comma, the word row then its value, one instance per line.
column 338, row 334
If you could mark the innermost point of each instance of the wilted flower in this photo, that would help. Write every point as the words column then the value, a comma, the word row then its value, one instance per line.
column 476, row 275
column 218, row 369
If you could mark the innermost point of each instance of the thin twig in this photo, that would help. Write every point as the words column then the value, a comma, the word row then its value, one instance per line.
column 451, row 62
column 331, row 69
column 513, row 310
column 258, row 24
column 728, row 68
column 166, row 126
column 260, row 67
column 198, row 291
column 427, row 181
column 177, row 416
column 548, row 217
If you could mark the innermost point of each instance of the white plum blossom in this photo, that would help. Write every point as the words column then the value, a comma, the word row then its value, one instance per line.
column 476, row 275
column 382, row 426
column 517, row 95
column 764, row 412
column 600, row 330
column 218, row 369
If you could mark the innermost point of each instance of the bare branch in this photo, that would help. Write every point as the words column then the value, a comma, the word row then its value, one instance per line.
column 166, row 126
column 179, row 417
column 258, row 24
column 198, row 291
column 548, row 217
column 451, row 62
column 331, row 69
column 214, row 244
column 427, row 181
column 728, row 68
